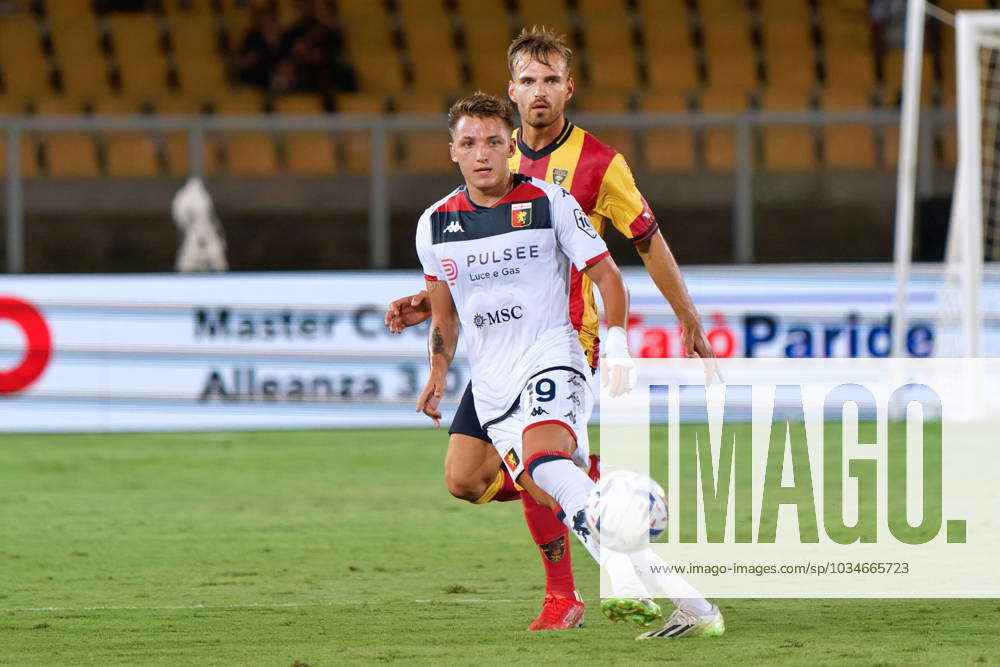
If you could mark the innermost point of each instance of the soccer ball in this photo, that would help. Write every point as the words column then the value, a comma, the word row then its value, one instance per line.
column 626, row 511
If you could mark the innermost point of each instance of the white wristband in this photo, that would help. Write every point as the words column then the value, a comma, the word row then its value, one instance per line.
column 616, row 345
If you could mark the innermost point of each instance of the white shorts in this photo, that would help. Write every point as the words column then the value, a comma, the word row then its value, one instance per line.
column 554, row 396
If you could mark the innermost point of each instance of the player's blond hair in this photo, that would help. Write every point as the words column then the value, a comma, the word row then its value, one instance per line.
column 538, row 43
column 481, row 105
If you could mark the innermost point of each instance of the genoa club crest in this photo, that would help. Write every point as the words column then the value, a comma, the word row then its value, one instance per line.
column 520, row 215
column 512, row 461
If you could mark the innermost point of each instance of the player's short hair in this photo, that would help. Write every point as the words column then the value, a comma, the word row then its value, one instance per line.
column 538, row 43
column 481, row 105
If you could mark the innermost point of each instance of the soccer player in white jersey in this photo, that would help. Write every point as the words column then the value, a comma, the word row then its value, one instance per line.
column 496, row 255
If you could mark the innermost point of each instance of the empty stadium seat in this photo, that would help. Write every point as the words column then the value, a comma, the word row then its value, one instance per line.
column 785, row 147
column 67, row 154
column 195, row 41
column 425, row 151
column 354, row 147
column 847, row 44
column 142, row 64
column 129, row 154
column 730, row 56
column 309, row 154
column 195, row 34
column 719, row 143
column 487, row 35
column 248, row 153
column 847, row 146
column 26, row 71
column 306, row 153
column 610, row 44
column 379, row 71
column 671, row 60
column 175, row 144
column 789, row 54
column 667, row 149
column 430, row 45
column 83, row 66
column 370, row 46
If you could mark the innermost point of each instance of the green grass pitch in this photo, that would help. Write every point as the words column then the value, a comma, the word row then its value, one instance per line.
column 344, row 547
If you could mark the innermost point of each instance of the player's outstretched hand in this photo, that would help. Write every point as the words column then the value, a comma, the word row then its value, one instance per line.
column 696, row 345
column 618, row 373
column 430, row 397
column 407, row 311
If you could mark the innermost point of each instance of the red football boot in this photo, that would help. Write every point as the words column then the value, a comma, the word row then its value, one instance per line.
column 559, row 613
column 595, row 468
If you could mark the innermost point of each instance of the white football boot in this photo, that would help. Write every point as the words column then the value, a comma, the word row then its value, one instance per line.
column 683, row 623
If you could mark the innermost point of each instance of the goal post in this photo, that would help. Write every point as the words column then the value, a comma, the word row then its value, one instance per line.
column 974, row 228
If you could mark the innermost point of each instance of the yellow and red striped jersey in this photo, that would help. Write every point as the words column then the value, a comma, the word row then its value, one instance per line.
column 600, row 180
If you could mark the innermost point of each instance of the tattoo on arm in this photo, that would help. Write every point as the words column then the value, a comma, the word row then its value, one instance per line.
column 437, row 341
column 431, row 286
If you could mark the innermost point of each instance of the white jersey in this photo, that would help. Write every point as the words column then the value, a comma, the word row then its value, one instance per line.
column 508, row 269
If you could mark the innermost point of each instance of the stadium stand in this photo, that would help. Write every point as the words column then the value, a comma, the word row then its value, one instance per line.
column 62, row 56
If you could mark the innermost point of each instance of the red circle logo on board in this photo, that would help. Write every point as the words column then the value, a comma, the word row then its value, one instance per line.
column 36, row 356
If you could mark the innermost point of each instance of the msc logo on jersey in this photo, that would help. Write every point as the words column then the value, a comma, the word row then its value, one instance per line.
column 498, row 316
column 510, row 458
column 520, row 215
column 559, row 175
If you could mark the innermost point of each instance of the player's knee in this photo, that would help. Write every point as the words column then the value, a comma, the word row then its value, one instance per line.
column 463, row 487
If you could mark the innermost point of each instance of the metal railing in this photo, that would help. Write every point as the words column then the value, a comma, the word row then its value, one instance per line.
column 381, row 127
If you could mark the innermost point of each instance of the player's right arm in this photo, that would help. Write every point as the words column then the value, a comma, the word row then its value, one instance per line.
column 441, row 344
column 443, row 335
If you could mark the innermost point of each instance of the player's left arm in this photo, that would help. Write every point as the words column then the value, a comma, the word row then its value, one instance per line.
column 581, row 243
column 620, row 201
column 666, row 274
column 618, row 370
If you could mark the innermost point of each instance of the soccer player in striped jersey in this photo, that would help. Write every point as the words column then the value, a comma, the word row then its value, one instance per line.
column 550, row 147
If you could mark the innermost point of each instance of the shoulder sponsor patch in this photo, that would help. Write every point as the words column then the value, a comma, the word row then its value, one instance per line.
column 520, row 215
column 583, row 222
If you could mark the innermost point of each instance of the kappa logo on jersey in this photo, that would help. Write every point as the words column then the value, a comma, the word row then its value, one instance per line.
column 571, row 416
column 539, row 411
column 510, row 458
column 520, row 215
column 559, row 175
column 583, row 222
column 454, row 227
column 450, row 270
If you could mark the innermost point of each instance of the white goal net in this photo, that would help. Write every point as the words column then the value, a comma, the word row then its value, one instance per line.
column 974, row 229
